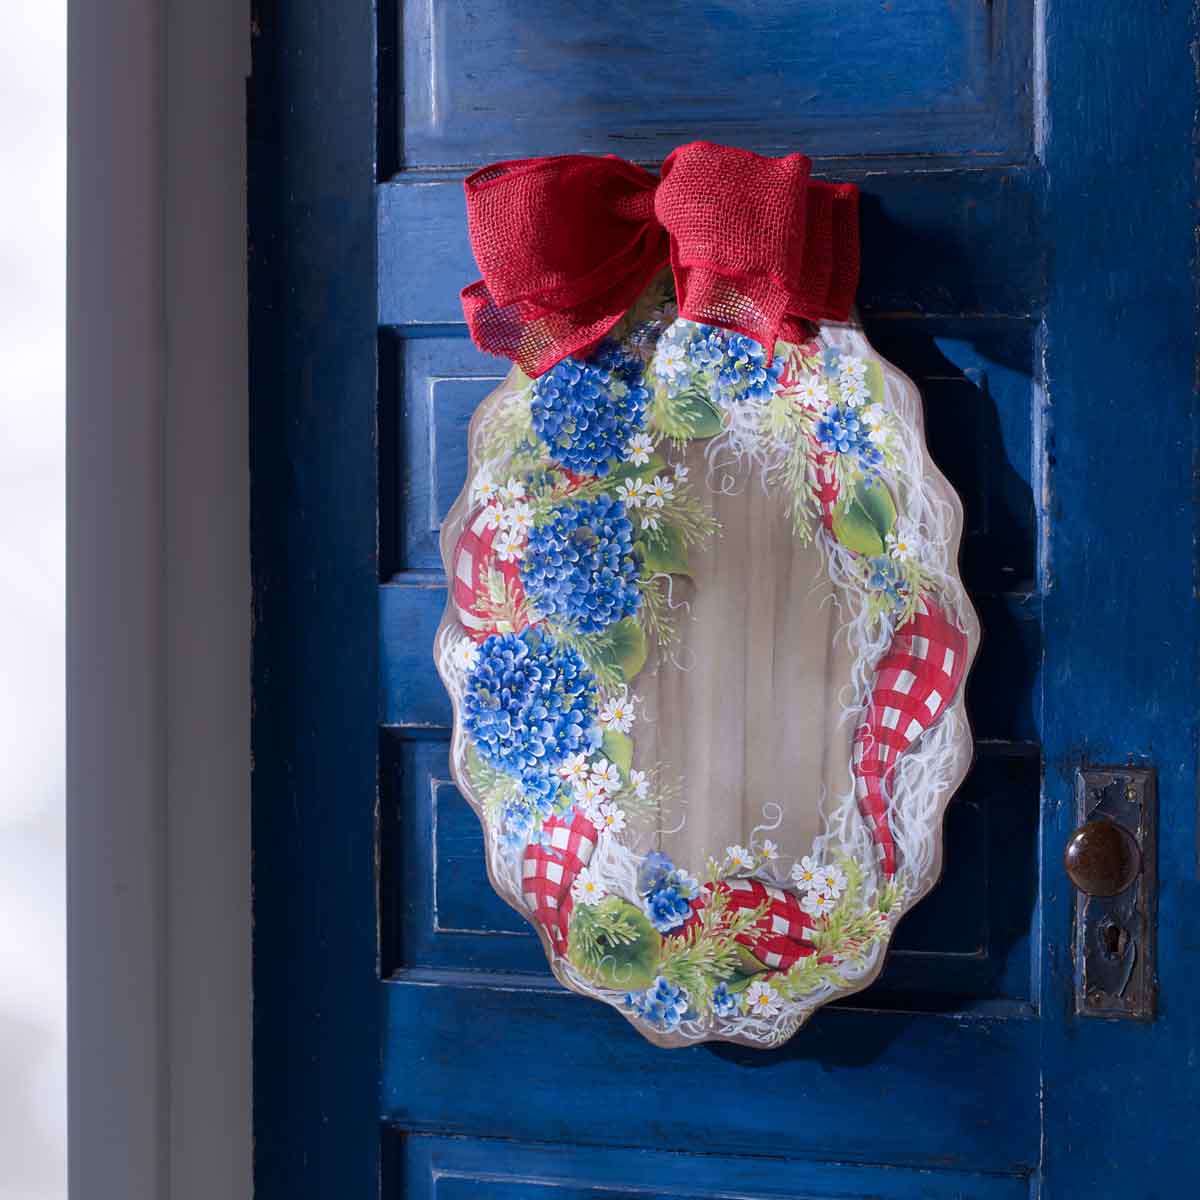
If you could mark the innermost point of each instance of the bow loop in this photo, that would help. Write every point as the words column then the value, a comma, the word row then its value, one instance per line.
column 566, row 245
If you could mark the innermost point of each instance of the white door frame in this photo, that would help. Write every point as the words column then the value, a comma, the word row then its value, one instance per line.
column 158, row 601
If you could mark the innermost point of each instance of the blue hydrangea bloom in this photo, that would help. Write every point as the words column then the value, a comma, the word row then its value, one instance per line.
column 842, row 431
column 579, row 566
column 724, row 1002
column 528, row 704
column 586, row 411
column 661, row 1005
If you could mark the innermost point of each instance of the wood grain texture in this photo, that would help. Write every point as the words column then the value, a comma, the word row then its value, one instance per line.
column 1122, row 632
column 483, row 80
column 455, row 1168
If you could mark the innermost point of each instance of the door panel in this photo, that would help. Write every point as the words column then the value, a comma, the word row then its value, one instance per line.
column 422, row 1168
column 1027, row 227
column 492, row 79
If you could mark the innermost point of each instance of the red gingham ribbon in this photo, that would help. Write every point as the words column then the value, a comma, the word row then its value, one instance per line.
column 474, row 554
column 565, row 245
column 549, row 870
column 780, row 937
column 915, row 680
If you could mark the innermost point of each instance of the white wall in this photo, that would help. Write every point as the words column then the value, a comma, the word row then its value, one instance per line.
column 32, row 824
column 158, row 602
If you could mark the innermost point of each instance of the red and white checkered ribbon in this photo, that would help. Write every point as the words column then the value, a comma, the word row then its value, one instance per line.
column 915, row 680
column 549, row 871
column 780, row 937
column 473, row 556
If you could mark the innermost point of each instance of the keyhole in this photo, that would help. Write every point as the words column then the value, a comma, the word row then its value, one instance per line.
column 1113, row 939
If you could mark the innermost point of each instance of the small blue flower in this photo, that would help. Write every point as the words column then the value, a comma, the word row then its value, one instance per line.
column 579, row 566
column 666, row 891
column 528, row 704
column 661, row 1005
column 842, row 430
column 655, row 867
column 829, row 357
column 667, row 909
column 586, row 411
column 883, row 575
column 724, row 1002
column 736, row 365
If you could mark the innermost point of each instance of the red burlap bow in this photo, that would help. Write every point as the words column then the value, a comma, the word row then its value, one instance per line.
column 565, row 246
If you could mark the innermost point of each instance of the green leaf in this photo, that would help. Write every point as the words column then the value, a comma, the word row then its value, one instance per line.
column 623, row 647
column 875, row 380
column 626, row 959
column 702, row 417
column 748, row 965
column 618, row 748
column 688, row 415
column 863, row 522
column 663, row 549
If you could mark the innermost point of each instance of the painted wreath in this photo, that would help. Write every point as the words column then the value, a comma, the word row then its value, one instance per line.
column 581, row 515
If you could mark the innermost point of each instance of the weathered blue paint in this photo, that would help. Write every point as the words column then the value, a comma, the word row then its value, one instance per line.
column 1121, row 629
column 1030, row 265
column 314, row 498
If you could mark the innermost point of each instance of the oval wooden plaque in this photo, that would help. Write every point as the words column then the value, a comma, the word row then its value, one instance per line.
column 705, row 644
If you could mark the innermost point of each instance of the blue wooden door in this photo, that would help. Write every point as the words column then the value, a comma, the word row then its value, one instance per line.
column 1027, row 176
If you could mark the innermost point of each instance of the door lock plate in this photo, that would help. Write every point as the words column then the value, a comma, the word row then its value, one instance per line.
column 1114, row 935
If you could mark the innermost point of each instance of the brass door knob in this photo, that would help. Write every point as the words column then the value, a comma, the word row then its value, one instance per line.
column 1102, row 857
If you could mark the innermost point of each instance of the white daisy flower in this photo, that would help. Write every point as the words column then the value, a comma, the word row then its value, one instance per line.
column 483, row 488
column 813, row 392
column 574, row 769
column 605, row 775
column 587, row 888
column 805, row 872
column 902, row 541
column 831, row 882
column 681, row 472
column 738, row 858
column 509, row 546
column 617, row 713
column 639, row 449
column 612, row 818
column 589, row 797
column 512, row 491
column 769, row 851
column 873, row 416
column 761, row 1000
column 630, row 491
column 659, row 492
column 853, row 391
column 851, row 367
column 669, row 359
column 817, row 904
column 519, row 518
column 877, row 436
column 493, row 517
column 465, row 654
column 649, row 521
column 640, row 784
